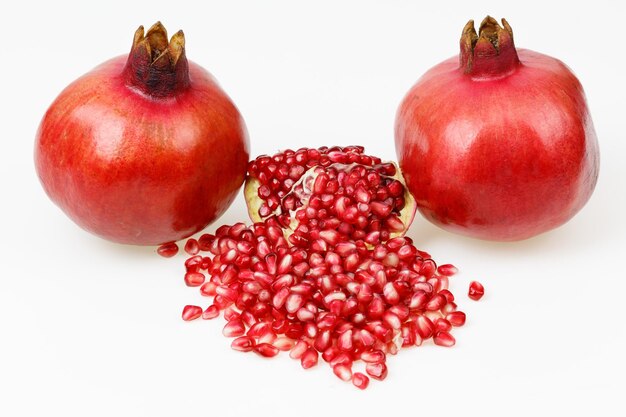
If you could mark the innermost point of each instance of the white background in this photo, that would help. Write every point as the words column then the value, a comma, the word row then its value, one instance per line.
column 91, row 328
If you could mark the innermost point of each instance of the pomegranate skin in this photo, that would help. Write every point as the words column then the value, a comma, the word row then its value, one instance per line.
column 139, row 169
column 503, row 150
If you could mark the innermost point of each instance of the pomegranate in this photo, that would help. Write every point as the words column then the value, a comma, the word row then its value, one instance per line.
column 144, row 149
column 325, row 271
column 497, row 144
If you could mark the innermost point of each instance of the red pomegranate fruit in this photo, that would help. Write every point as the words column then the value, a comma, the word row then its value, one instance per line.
column 497, row 144
column 144, row 149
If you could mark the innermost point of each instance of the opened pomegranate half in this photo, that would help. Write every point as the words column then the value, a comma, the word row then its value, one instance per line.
column 339, row 192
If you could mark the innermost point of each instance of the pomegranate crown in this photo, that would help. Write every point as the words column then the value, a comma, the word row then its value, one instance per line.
column 156, row 66
column 490, row 52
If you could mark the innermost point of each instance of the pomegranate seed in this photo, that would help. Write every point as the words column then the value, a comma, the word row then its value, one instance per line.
column 309, row 358
column 343, row 372
column 442, row 325
column 476, row 290
column 345, row 341
column 243, row 344
column 234, row 328
column 373, row 356
column 266, row 350
column 322, row 341
column 447, row 270
column 294, row 302
column 192, row 247
column 211, row 312
column 425, row 327
column 167, row 250
column 191, row 312
column 298, row 350
column 377, row 370
column 456, row 318
column 444, row 339
column 359, row 380
column 284, row 344
column 436, row 303
column 194, row 279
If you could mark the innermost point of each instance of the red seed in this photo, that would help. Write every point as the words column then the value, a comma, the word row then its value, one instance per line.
column 266, row 350
column 435, row 303
column 376, row 370
column 284, row 344
column 298, row 350
column 234, row 328
column 167, row 250
column 456, row 318
column 444, row 339
column 243, row 344
column 373, row 356
column 343, row 372
column 447, row 270
column 191, row 312
column 309, row 358
column 442, row 325
column 211, row 312
column 359, row 380
column 194, row 279
column 192, row 247
column 476, row 290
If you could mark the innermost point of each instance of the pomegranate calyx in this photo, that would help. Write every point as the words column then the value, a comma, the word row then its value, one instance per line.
column 491, row 52
column 157, row 67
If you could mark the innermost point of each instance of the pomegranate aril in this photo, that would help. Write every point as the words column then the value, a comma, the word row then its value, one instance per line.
column 234, row 328
column 376, row 370
column 444, row 339
column 192, row 247
column 436, row 303
column 191, row 312
column 476, row 290
column 284, row 344
column 211, row 312
column 167, row 250
column 447, row 270
column 243, row 344
column 456, row 318
column 343, row 372
column 266, row 350
column 442, row 325
column 194, row 279
column 359, row 380
column 373, row 356
column 309, row 358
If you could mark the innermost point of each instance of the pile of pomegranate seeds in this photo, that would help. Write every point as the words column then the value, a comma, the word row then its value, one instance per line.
column 334, row 277
column 347, row 303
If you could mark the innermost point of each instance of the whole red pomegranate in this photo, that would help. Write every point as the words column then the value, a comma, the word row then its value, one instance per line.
column 143, row 149
column 497, row 144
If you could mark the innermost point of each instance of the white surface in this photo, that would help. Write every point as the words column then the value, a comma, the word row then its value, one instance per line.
column 89, row 328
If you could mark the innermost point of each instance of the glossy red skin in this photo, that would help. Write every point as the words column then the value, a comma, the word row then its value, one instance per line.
column 498, row 159
column 140, row 170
